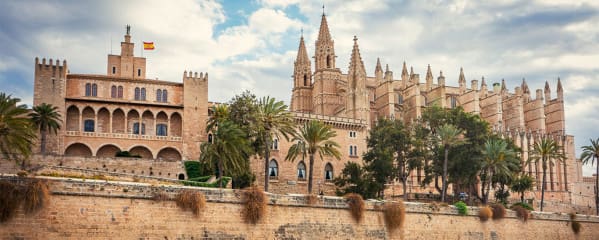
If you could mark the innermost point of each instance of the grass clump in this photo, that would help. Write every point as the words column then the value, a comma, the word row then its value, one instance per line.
column 394, row 214
column 356, row 205
column 462, row 208
column 32, row 194
column 576, row 226
column 191, row 200
column 498, row 211
column 254, row 201
column 485, row 213
column 311, row 199
column 35, row 196
column 523, row 205
column 521, row 212
column 9, row 200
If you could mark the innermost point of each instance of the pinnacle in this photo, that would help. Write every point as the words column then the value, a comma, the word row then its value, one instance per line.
column 378, row 65
column 324, row 34
column 302, row 54
column 356, row 60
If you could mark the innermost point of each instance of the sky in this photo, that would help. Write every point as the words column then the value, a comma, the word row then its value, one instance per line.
column 251, row 45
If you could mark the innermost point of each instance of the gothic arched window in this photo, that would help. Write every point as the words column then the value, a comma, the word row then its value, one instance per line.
column 88, row 89
column 137, row 93
column 164, row 95
column 113, row 91
column 305, row 79
column 120, row 92
column 301, row 171
column 143, row 94
column 159, row 95
column 94, row 90
column 328, row 172
column 328, row 61
column 273, row 169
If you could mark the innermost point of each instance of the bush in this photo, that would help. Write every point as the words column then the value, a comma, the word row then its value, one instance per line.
column 576, row 227
column 243, row 180
column 485, row 213
column 254, row 201
column 356, row 205
column 395, row 214
column 191, row 200
column 462, row 208
column 199, row 179
column 194, row 169
column 126, row 154
column 521, row 212
column 9, row 200
column 225, row 180
column 523, row 205
column 498, row 211
column 35, row 196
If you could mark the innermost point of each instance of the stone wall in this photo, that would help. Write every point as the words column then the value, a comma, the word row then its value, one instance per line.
column 99, row 209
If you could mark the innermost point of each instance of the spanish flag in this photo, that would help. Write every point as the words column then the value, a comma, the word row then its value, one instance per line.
column 148, row 45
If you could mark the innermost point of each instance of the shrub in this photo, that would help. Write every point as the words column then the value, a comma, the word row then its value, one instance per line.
column 35, row 196
column 126, row 154
column 356, row 205
column 572, row 216
column 498, row 211
column 462, row 208
column 576, row 227
column 9, row 200
column 311, row 199
column 523, row 205
column 254, row 201
column 194, row 169
column 191, row 200
column 395, row 214
column 521, row 212
column 485, row 213
column 225, row 180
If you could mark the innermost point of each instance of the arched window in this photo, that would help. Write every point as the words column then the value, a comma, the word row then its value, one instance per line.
column 136, row 129
column 120, row 92
column 398, row 98
column 355, row 150
column 164, row 95
column 328, row 61
column 159, row 95
column 454, row 101
column 275, row 144
column 305, row 79
column 94, row 90
column 351, row 150
column 88, row 125
column 88, row 89
column 143, row 94
column 113, row 91
column 139, row 72
column 328, row 172
column 210, row 137
column 301, row 171
column 113, row 70
column 136, row 93
column 161, row 129
column 273, row 169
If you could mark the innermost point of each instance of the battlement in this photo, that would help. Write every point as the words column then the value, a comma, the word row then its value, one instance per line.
column 194, row 77
column 50, row 63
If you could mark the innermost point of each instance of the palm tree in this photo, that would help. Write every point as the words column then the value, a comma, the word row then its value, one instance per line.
column 17, row 133
column 220, row 113
column 228, row 149
column 521, row 184
column 313, row 138
column 47, row 119
column 272, row 119
column 589, row 155
column 545, row 151
column 497, row 158
column 448, row 136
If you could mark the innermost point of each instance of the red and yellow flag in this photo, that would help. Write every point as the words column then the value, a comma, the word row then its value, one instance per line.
column 148, row 45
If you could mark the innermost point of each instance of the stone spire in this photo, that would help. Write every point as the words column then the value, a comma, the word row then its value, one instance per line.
column 483, row 86
column 302, row 68
column 429, row 78
column 404, row 73
column 560, row 90
column 547, row 92
column 356, row 65
column 503, row 87
column 357, row 103
column 378, row 70
column 325, row 47
column 388, row 74
column 302, row 54
column 441, row 79
column 524, row 87
column 462, row 80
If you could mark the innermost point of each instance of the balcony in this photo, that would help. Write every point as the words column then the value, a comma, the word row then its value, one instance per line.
column 123, row 136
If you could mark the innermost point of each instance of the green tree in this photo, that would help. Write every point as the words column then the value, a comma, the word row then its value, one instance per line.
column 17, row 132
column 220, row 113
column 496, row 160
column 313, row 138
column 355, row 179
column 272, row 120
column 521, row 184
column 228, row 149
column 589, row 155
column 545, row 151
column 47, row 120
column 447, row 136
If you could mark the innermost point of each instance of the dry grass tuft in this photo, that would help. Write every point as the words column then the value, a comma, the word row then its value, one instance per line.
column 356, row 205
column 521, row 213
column 434, row 206
column 311, row 199
column 160, row 196
column 498, row 211
column 9, row 200
column 576, row 227
column 395, row 214
column 254, row 200
column 572, row 216
column 35, row 196
column 191, row 200
column 485, row 213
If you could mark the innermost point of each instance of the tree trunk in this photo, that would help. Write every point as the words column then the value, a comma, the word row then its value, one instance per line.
column 522, row 197
column 444, row 178
column 488, row 183
column 43, row 142
column 220, row 173
column 403, row 182
column 266, row 162
column 543, row 183
column 311, row 171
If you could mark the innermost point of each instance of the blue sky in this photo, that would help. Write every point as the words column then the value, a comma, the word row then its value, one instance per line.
column 252, row 44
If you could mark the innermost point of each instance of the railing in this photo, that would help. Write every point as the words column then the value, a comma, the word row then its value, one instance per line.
column 124, row 136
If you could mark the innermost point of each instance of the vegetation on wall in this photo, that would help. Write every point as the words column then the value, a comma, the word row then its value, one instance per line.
column 574, row 224
column 394, row 214
column 126, row 154
column 521, row 212
column 485, row 213
column 191, row 200
column 46, row 119
column 31, row 194
column 461, row 207
column 356, row 206
column 254, row 204
column 498, row 211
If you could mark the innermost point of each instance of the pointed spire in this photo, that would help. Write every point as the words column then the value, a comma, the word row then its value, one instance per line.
column 503, row 87
column 524, row 86
column 356, row 66
column 324, row 34
column 441, row 79
column 547, row 92
column 378, row 70
column 462, row 79
column 302, row 53
column 483, row 83
column 483, row 86
column 378, row 65
column 386, row 67
column 560, row 90
column 404, row 71
column 429, row 77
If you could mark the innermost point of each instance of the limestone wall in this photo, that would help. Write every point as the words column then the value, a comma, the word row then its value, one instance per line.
column 98, row 209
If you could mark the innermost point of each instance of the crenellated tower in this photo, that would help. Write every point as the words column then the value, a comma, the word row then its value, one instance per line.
column 301, row 99
column 195, row 100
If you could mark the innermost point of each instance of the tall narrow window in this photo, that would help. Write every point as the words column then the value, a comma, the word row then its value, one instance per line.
column 137, row 93
column 210, row 137
column 88, row 125
column 305, row 79
column 139, row 72
column 88, row 89
column 94, row 90
column 143, row 94
column 159, row 95
column 351, row 150
column 355, row 150
column 137, row 130
column 164, row 95
column 275, row 144
column 161, row 129
column 328, row 172
column 113, row 70
column 454, row 102
column 120, row 92
column 328, row 61
column 301, row 171
column 113, row 91
column 273, row 169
